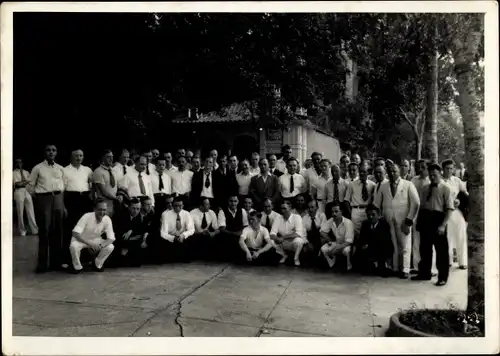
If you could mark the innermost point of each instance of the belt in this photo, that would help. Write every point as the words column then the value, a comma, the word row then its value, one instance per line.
column 358, row 207
column 57, row 192
column 160, row 194
column 77, row 193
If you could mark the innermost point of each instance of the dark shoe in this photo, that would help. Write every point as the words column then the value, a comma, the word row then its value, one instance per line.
column 384, row 272
column 440, row 283
column 462, row 267
column 97, row 269
column 414, row 271
column 404, row 275
column 434, row 274
column 420, row 277
column 74, row 270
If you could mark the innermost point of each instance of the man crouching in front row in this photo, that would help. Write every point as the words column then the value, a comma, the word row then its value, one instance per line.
column 88, row 234
column 257, row 248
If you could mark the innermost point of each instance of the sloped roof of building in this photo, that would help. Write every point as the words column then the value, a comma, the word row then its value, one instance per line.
column 232, row 113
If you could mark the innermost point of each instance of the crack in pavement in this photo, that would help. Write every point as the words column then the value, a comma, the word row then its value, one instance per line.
column 261, row 329
column 178, row 303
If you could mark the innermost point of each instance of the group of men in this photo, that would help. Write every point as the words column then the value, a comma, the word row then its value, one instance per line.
column 151, row 208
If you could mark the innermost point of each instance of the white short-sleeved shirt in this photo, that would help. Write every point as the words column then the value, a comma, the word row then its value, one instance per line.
column 255, row 239
column 89, row 228
column 197, row 216
column 288, row 226
column 77, row 179
column 46, row 178
column 344, row 232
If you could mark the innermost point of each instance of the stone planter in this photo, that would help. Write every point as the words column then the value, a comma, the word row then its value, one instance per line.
column 397, row 329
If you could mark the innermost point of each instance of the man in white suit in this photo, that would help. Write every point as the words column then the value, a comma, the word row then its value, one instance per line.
column 399, row 201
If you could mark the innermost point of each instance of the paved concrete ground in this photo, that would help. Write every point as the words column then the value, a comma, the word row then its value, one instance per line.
column 198, row 299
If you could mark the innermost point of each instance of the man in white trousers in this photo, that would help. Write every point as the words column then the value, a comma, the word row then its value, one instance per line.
column 23, row 199
column 88, row 233
column 399, row 201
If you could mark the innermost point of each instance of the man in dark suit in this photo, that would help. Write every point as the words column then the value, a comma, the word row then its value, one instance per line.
column 208, row 184
column 272, row 159
column 263, row 186
column 230, row 182
column 374, row 244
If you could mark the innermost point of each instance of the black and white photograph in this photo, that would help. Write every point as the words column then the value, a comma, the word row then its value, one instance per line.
column 199, row 170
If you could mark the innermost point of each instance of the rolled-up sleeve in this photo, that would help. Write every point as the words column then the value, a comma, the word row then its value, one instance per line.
column 108, row 229
column 80, row 225
column 349, row 231
column 299, row 227
column 222, row 219
column 164, row 229
column 189, row 226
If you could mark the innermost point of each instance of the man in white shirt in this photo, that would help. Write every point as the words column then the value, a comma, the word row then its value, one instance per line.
column 77, row 199
column 232, row 219
column 291, row 183
column 214, row 155
column 176, row 227
column 353, row 170
column 105, row 185
column 272, row 165
column 398, row 199
column 88, row 233
column 254, row 164
column 344, row 166
column 244, row 179
column 169, row 167
column 150, row 167
column 206, row 226
column 256, row 246
column 311, row 174
column 335, row 190
column 282, row 163
column 317, row 185
column 121, row 168
column 343, row 230
column 268, row 214
column 137, row 183
column 288, row 233
column 248, row 205
column 313, row 222
column 23, row 199
column 359, row 194
column 47, row 183
column 181, row 180
column 162, row 186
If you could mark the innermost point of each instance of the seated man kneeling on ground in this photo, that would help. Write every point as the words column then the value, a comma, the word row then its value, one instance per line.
column 202, row 243
column 374, row 246
column 288, row 233
column 256, row 245
column 343, row 230
column 88, row 234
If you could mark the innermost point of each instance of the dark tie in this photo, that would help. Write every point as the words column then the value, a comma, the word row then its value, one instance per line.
column 207, row 181
column 111, row 178
column 314, row 228
column 431, row 187
column 292, row 187
column 147, row 169
column 161, row 182
column 124, row 169
column 364, row 192
column 336, row 195
column 378, row 186
column 268, row 223
column 394, row 187
column 178, row 224
column 142, row 187
column 204, row 221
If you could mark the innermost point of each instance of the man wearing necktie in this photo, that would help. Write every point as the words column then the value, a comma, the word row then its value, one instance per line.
column 47, row 183
column 358, row 195
column 202, row 244
column 268, row 214
column 312, row 224
column 291, row 183
column 432, row 220
column 374, row 247
column 335, row 190
column 162, row 186
column 105, row 185
column 399, row 201
column 207, row 184
column 137, row 183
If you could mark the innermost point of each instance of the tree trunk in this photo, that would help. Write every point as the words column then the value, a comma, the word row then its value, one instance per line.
column 432, row 106
column 474, row 147
column 419, row 147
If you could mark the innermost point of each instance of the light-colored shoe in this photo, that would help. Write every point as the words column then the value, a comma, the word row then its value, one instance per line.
column 23, row 233
column 297, row 262
column 283, row 259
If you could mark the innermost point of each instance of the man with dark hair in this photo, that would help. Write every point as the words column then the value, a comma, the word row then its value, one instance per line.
column 206, row 226
column 374, row 245
column 405, row 170
column 176, row 227
column 121, row 167
column 207, row 184
column 169, row 166
column 161, row 184
column 232, row 220
column 137, row 183
column 156, row 153
column 434, row 215
column 353, row 172
column 282, row 163
column 195, row 164
column 312, row 224
column 181, row 180
column 291, row 183
column 105, row 184
column 336, row 189
column 129, row 232
column 88, row 234
column 268, row 214
column 222, row 166
column 344, row 166
column 47, row 183
column 256, row 247
column 264, row 186
column 150, row 167
column 23, row 199
column 312, row 174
